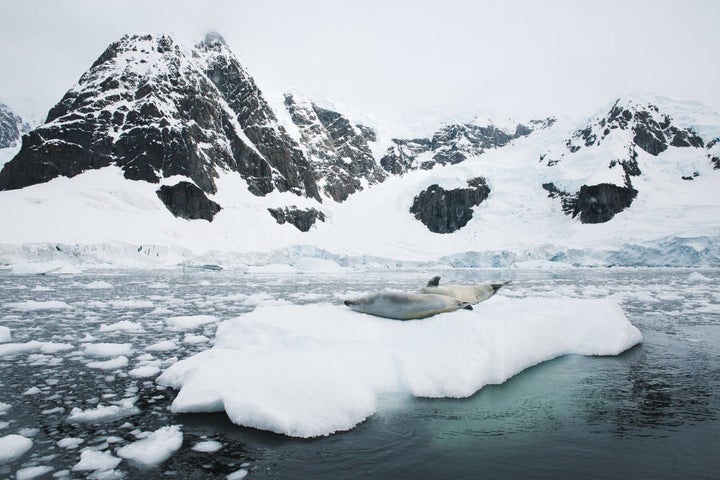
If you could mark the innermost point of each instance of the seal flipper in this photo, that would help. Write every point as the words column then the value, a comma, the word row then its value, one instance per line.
column 498, row 286
column 434, row 282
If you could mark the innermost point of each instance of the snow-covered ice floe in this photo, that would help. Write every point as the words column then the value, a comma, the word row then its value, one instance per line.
column 311, row 370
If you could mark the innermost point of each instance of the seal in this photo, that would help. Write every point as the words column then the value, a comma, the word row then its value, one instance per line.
column 470, row 294
column 405, row 306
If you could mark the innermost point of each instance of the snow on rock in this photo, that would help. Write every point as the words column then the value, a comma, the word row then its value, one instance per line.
column 312, row 370
column 93, row 461
column 13, row 447
column 106, row 349
column 190, row 322
column 122, row 326
column 5, row 335
column 155, row 448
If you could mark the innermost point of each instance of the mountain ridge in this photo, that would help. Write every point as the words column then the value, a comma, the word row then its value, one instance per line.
column 205, row 161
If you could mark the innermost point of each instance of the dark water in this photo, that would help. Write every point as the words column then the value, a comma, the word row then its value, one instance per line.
column 652, row 412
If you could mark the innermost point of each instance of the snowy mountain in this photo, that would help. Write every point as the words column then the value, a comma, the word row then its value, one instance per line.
column 613, row 145
column 176, row 152
column 11, row 127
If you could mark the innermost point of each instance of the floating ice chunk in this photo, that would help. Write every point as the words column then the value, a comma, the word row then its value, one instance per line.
column 13, row 447
column 132, row 303
column 144, row 371
column 238, row 474
column 103, row 413
column 316, row 369
column 97, row 285
column 70, row 442
column 164, row 346
column 92, row 460
column 208, row 446
column 191, row 339
column 697, row 277
column 155, row 448
column 190, row 322
column 112, row 364
column 5, row 335
column 122, row 326
column 32, row 347
column 33, row 305
column 29, row 473
column 4, row 407
column 100, row 350
column 32, row 391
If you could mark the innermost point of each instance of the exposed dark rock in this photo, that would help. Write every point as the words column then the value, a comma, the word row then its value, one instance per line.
column 301, row 219
column 600, row 203
column 155, row 112
column 400, row 157
column 446, row 211
column 594, row 203
column 338, row 150
column 186, row 200
column 11, row 127
column 453, row 144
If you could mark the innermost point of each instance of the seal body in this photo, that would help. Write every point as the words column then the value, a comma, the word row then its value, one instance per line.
column 471, row 294
column 405, row 306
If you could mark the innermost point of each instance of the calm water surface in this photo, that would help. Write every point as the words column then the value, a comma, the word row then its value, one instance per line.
column 652, row 412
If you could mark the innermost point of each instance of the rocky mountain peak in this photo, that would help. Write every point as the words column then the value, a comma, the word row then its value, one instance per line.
column 339, row 150
column 12, row 127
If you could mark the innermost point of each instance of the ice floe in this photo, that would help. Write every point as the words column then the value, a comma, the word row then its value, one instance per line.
column 106, row 349
column 122, row 326
column 313, row 370
column 93, row 461
column 13, row 447
column 190, row 322
column 154, row 449
column 5, row 334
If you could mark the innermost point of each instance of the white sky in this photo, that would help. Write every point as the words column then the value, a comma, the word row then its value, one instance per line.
column 384, row 57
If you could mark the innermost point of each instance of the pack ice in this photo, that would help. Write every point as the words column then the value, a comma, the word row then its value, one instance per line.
column 311, row 370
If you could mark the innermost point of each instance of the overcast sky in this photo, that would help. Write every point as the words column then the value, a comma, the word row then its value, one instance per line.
column 384, row 56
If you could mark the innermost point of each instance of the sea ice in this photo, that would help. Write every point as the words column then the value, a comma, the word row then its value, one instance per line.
column 163, row 346
column 107, row 349
column 190, row 322
column 70, row 442
column 13, row 447
column 103, row 413
column 34, row 305
column 155, row 448
column 97, row 285
column 29, row 473
column 5, row 335
column 191, row 339
column 92, row 460
column 122, row 326
column 207, row 446
column 310, row 370
column 238, row 474
column 112, row 364
column 144, row 371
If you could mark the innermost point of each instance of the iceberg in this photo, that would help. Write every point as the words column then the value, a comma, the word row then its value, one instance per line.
column 312, row 370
